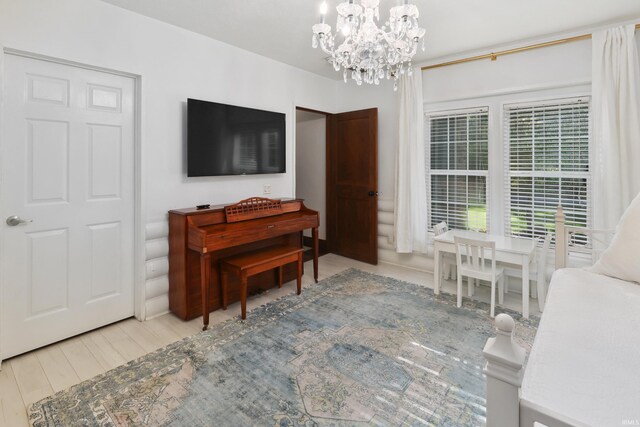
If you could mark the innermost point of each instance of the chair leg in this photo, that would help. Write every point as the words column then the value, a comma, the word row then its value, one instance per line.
column 447, row 270
column 454, row 271
column 493, row 298
column 501, row 290
column 471, row 283
column 459, row 291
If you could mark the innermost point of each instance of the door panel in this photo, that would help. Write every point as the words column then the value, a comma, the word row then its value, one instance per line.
column 47, row 157
column 105, row 144
column 67, row 165
column 352, row 184
column 47, row 274
column 105, row 268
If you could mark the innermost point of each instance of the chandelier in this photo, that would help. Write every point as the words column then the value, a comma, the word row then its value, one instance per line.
column 367, row 52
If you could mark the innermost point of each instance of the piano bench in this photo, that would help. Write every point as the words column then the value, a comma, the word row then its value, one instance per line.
column 252, row 263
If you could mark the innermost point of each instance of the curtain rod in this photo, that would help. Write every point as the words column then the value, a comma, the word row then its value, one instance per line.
column 494, row 55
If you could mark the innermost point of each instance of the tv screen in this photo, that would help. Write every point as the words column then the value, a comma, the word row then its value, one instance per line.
column 229, row 140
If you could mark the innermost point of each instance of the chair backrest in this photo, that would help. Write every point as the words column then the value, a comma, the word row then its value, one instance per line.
column 474, row 251
column 440, row 228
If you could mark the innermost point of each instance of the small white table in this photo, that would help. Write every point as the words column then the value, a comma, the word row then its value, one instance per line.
column 509, row 250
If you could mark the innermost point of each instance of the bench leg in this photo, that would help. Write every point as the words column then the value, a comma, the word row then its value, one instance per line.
column 225, row 277
column 314, row 235
column 299, row 276
column 243, row 295
column 280, row 276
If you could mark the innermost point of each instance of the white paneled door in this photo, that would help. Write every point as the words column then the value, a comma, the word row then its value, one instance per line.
column 67, row 202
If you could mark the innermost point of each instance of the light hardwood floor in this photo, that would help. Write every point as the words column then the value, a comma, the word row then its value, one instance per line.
column 30, row 377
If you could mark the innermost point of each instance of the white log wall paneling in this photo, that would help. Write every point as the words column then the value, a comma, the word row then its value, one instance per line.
column 157, row 269
column 386, row 248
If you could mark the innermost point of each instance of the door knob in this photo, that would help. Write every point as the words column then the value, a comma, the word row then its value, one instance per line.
column 373, row 193
column 16, row 220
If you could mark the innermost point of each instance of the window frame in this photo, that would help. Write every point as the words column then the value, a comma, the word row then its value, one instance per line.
column 506, row 109
column 436, row 102
column 486, row 173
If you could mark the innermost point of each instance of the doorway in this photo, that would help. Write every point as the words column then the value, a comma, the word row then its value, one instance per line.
column 311, row 164
column 349, row 181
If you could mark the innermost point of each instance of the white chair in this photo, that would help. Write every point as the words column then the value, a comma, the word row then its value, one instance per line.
column 476, row 266
column 447, row 261
column 537, row 272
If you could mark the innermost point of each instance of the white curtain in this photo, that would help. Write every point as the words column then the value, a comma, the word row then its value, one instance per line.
column 410, row 218
column 616, row 123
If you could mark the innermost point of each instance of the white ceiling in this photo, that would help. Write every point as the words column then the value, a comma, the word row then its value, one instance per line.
column 282, row 29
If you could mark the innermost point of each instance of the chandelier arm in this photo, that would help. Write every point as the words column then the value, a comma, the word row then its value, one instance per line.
column 326, row 50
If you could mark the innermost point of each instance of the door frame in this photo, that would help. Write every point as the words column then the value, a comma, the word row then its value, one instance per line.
column 138, row 184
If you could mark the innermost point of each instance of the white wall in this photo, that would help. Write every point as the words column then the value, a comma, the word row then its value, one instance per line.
column 561, row 65
column 558, row 66
column 175, row 64
column 311, row 165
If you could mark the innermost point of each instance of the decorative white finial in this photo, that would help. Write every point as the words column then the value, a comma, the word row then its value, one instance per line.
column 505, row 323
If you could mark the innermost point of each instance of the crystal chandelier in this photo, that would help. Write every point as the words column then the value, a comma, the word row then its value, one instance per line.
column 367, row 52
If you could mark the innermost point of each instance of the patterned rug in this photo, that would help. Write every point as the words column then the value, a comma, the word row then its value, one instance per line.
column 355, row 349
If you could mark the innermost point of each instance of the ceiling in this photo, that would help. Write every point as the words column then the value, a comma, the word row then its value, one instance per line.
column 282, row 29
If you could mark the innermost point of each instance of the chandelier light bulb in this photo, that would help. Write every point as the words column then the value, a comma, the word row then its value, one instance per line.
column 324, row 8
column 368, row 51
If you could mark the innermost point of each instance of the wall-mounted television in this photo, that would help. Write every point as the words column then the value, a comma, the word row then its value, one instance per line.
column 229, row 140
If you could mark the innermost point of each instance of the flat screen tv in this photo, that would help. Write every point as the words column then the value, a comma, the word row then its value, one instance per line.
column 228, row 140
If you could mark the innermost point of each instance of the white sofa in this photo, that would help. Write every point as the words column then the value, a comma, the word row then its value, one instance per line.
column 584, row 366
column 585, row 361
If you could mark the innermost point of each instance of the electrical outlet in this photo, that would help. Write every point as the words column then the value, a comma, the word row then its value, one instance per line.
column 267, row 189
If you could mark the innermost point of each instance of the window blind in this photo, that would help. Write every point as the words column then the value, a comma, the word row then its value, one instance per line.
column 547, row 164
column 458, row 168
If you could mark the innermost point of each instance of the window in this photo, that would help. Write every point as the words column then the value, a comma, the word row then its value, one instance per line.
column 271, row 152
column 547, row 163
column 458, row 169
column 245, row 156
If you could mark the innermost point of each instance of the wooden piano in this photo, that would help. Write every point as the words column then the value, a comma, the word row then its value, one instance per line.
column 200, row 238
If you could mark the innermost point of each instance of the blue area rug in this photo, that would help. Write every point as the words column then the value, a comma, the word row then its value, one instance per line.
column 355, row 349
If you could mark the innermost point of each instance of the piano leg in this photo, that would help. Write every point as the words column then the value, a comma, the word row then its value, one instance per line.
column 299, row 275
column 314, row 235
column 205, row 278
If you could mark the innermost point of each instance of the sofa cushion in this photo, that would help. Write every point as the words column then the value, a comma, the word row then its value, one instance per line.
column 586, row 350
column 622, row 258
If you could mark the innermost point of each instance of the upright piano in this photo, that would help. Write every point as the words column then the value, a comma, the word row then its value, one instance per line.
column 200, row 238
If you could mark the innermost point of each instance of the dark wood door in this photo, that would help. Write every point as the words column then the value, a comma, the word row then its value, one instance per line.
column 352, row 185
